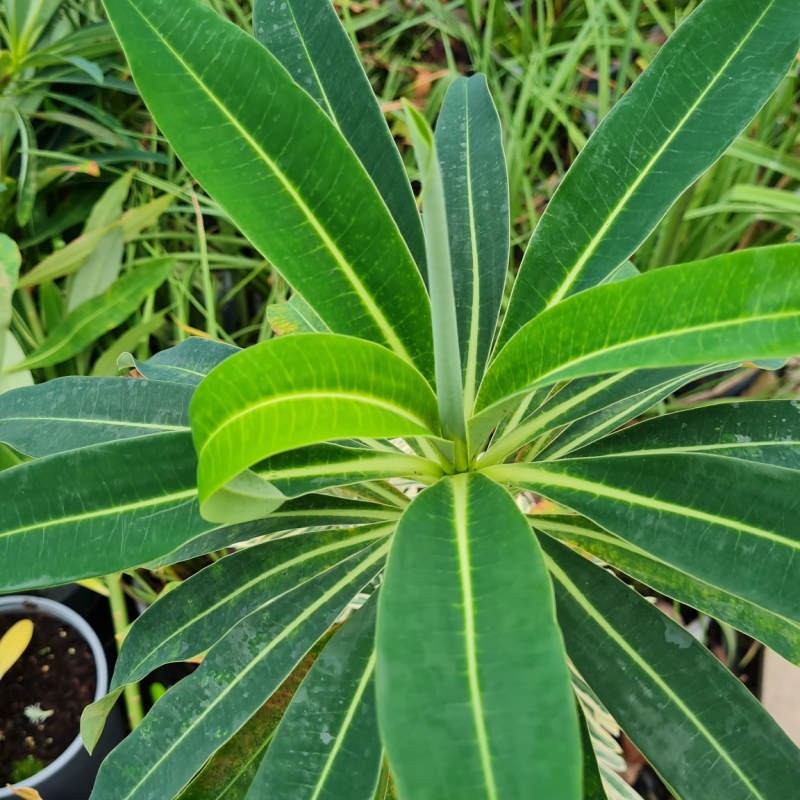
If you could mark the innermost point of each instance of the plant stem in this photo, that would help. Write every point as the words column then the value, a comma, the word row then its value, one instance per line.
column 120, row 620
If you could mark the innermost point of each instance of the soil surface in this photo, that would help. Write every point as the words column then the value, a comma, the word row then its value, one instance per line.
column 56, row 673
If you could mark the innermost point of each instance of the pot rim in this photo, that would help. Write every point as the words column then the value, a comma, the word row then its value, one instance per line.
column 30, row 604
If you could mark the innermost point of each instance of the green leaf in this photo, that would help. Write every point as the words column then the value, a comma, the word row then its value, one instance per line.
column 13, row 355
column 103, row 265
column 299, row 390
column 765, row 431
column 82, row 326
column 701, row 90
column 776, row 631
column 99, row 510
column 70, row 257
column 308, row 39
column 70, row 413
column 10, row 261
column 327, row 229
column 750, row 310
column 188, row 362
column 708, row 737
column 192, row 617
column 592, row 781
column 725, row 521
column 474, row 694
column 475, row 182
column 327, row 745
column 239, row 673
column 324, row 466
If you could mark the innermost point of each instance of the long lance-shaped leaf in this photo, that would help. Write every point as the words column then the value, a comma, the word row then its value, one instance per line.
column 591, row 404
column 272, row 159
column 324, row 466
column 466, row 586
column 470, row 153
column 300, row 390
column 701, row 90
column 327, row 745
column 310, row 512
column 188, row 362
column 70, row 413
column 10, row 261
column 725, row 521
column 592, row 780
column 766, row 431
column 308, row 39
column 750, row 311
column 778, row 632
column 605, row 420
column 84, row 324
column 100, row 509
column 239, row 673
column 666, row 690
column 192, row 617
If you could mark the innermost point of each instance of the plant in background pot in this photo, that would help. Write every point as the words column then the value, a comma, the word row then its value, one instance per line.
column 487, row 628
column 56, row 667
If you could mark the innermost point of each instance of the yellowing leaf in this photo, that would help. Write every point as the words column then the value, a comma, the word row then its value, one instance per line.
column 13, row 644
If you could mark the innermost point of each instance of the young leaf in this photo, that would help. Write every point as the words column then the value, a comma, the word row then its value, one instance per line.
column 466, row 587
column 300, row 390
column 308, row 39
column 637, row 660
column 702, row 89
column 469, row 149
column 327, row 230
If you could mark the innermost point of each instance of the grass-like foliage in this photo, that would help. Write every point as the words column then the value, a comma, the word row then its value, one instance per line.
column 482, row 624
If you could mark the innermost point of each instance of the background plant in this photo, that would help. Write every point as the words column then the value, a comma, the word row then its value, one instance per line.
column 276, row 453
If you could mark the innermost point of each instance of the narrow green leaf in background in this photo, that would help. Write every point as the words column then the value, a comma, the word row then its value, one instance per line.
column 704, row 86
column 81, row 327
column 10, row 261
column 474, row 694
column 713, row 741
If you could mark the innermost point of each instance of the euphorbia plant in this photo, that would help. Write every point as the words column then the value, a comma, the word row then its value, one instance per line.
column 456, row 673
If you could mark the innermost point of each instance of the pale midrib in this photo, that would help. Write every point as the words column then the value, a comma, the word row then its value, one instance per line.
column 307, row 612
column 104, row 512
column 470, row 379
column 346, row 723
column 525, row 473
column 611, row 422
column 631, row 653
column 353, row 397
column 390, row 465
column 576, row 535
column 231, row 597
column 557, row 373
column 366, row 298
column 116, row 423
column 574, row 273
column 460, row 529
column 691, row 448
